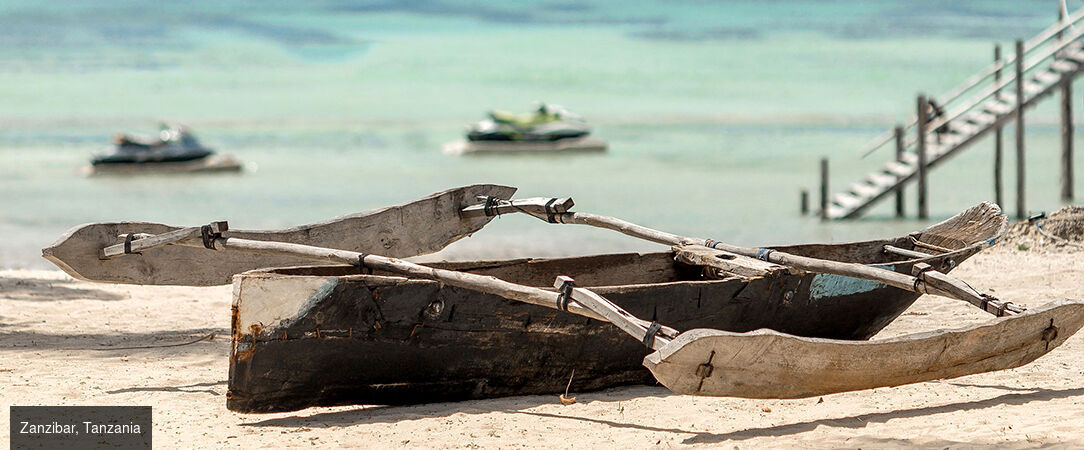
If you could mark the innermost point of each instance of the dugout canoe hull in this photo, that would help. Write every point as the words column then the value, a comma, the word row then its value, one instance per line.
column 321, row 336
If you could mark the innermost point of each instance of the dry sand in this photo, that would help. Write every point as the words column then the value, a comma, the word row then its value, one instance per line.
column 59, row 339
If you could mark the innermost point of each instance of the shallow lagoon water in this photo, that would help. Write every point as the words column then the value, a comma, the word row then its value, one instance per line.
column 716, row 114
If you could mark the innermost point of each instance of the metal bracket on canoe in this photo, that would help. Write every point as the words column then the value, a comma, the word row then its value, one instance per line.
column 134, row 243
column 208, row 233
column 536, row 206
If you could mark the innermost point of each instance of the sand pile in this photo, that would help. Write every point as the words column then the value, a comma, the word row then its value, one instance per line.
column 1062, row 228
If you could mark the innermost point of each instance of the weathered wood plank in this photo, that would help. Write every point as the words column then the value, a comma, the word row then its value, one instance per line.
column 409, row 229
column 768, row 364
column 729, row 263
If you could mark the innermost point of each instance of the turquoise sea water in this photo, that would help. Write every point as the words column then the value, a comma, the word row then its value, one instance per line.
column 716, row 112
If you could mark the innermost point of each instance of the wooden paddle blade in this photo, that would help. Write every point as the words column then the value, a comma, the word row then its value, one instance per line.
column 415, row 228
column 769, row 364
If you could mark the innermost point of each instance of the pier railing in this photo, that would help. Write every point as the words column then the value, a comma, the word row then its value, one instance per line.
column 986, row 102
column 1033, row 45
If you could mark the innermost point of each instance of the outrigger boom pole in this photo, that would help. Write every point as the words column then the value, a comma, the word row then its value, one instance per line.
column 924, row 280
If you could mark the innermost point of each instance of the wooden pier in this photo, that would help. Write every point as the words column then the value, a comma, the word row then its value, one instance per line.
column 996, row 96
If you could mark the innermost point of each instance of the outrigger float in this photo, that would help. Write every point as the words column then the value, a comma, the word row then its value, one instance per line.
column 719, row 320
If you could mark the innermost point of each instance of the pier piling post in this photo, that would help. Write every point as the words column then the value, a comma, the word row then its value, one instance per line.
column 1066, row 127
column 923, row 110
column 899, row 157
column 999, row 140
column 824, row 189
column 1067, row 139
column 805, row 202
column 1021, row 208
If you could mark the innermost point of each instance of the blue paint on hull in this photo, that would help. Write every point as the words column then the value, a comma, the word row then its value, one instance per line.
column 826, row 285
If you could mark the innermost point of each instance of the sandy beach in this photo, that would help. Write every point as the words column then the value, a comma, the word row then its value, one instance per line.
column 67, row 342
column 736, row 120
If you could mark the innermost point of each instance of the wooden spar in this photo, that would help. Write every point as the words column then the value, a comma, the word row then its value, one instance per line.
column 998, row 131
column 920, row 139
column 924, row 282
column 599, row 308
column 905, row 253
column 1021, row 209
column 824, row 189
column 648, row 334
column 899, row 157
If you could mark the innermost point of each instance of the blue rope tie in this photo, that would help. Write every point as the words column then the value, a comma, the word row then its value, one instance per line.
column 763, row 253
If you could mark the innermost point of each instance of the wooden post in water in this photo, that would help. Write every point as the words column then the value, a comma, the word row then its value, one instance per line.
column 1066, row 128
column 899, row 157
column 923, row 110
column 1021, row 208
column 999, row 140
column 1061, row 21
column 824, row 188
column 1067, row 140
column 805, row 201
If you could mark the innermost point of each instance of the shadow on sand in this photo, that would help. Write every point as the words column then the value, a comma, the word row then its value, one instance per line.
column 173, row 342
column 860, row 421
column 39, row 290
column 188, row 388
column 517, row 405
column 389, row 414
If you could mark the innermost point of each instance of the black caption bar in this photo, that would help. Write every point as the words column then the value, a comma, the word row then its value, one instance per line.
column 70, row 427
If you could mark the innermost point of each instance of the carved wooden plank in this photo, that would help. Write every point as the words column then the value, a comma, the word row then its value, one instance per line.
column 768, row 364
column 732, row 263
column 409, row 229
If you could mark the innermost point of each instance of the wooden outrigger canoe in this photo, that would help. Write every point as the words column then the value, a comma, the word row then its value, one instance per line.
column 310, row 336
column 448, row 333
